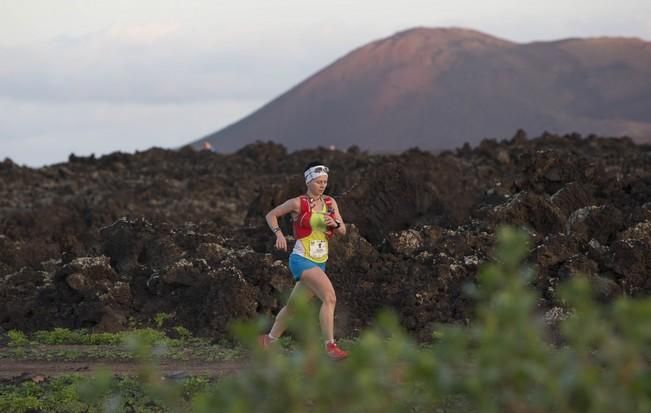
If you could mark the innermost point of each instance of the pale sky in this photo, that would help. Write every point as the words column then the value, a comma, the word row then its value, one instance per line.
column 91, row 76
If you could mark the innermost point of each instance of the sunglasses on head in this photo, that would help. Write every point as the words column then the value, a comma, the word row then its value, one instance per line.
column 319, row 169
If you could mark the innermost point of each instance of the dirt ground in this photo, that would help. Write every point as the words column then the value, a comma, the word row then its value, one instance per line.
column 16, row 369
column 23, row 370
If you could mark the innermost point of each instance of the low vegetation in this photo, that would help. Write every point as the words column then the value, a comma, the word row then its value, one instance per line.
column 62, row 344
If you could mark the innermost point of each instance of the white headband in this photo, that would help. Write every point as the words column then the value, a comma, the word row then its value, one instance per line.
column 315, row 172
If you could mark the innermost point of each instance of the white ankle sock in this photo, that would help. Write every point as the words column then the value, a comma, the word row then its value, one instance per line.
column 272, row 338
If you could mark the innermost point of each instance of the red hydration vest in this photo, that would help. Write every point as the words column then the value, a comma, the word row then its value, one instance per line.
column 301, row 224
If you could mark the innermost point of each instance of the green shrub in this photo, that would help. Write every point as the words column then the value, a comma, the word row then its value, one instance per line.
column 104, row 339
column 60, row 336
column 84, row 337
column 160, row 319
column 148, row 336
column 74, row 393
column 56, row 395
column 17, row 338
column 183, row 333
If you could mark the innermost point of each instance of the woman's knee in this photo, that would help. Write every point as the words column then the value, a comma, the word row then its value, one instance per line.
column 320, row 285
column 330, row 298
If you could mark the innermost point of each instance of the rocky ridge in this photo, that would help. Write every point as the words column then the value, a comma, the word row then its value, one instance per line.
column 105, row 243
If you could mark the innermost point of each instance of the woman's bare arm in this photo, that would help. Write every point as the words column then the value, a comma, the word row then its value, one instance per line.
column 342, row 226
column 291, row 205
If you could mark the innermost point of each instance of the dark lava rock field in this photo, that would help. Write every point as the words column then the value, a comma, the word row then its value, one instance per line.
column 108, row 243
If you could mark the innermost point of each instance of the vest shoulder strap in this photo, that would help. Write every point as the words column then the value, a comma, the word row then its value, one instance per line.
column 305, row 204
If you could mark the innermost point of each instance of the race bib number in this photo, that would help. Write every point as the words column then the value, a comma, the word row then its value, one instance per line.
column 318, row 248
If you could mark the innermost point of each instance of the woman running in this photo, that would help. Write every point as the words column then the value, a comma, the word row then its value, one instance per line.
column 315, row 219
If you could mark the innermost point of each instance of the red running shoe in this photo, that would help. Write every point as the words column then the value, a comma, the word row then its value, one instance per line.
column 334, row 352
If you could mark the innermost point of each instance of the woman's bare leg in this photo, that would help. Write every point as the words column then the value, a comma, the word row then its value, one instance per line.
column 319, row 283
column 280, row 324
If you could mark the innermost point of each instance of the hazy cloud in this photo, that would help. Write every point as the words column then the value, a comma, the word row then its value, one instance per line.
column 145, row 64
column 143, row 33
column 56, row 130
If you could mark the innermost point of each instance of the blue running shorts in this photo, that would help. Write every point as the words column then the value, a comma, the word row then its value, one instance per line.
column 298, row 264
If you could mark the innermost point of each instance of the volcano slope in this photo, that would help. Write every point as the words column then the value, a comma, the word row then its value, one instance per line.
column 102, row 243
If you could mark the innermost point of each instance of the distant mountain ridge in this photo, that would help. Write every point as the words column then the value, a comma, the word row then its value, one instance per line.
column 439, row 88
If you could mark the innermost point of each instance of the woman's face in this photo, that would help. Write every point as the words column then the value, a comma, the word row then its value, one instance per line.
column 317, row 186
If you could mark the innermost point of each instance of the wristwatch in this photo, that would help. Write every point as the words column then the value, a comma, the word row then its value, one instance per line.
column 275, row 229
